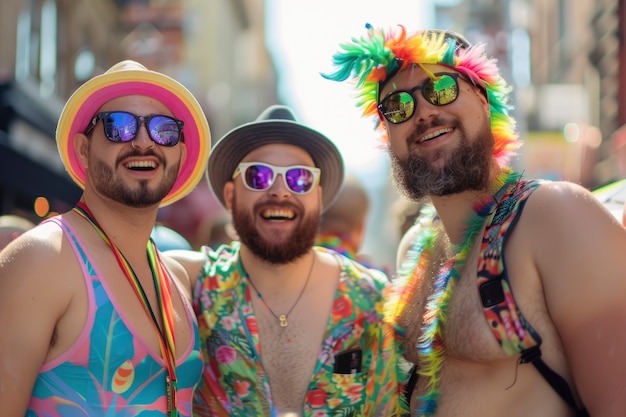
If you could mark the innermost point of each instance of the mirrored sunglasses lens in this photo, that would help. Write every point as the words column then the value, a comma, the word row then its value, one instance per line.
column 299, row 180
column 399, row 107
column 259, row 177
column 120, row 127
column 164, row 130
column 441, row 90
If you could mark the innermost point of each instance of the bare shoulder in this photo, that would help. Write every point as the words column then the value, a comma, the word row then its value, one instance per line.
column 33, row 254
column 566, row 200
column 188, row 263
column 37, row 263
column 577, row 247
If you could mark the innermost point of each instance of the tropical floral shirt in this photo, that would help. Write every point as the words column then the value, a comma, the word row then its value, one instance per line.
column 234, row 381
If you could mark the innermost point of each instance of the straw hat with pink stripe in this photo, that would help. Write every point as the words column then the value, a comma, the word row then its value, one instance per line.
column 132, row 78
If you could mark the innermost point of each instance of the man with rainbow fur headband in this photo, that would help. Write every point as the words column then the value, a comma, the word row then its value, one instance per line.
column 537, row 264
column 95, row 321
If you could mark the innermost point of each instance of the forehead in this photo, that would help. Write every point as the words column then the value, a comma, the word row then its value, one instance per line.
column 137, row 104
column 280, row 154
column 412, row 76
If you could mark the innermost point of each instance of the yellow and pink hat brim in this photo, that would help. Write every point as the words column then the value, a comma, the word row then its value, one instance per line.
column 131, row 78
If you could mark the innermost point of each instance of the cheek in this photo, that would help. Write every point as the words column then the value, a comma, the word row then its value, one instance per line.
column 397, row 144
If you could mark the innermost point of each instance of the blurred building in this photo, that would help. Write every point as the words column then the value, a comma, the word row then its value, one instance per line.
column 567, row 62
column 50, row 47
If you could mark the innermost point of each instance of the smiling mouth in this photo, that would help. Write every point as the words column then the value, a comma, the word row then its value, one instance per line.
column 281, row 214
column 141, row 165
column 435, row 134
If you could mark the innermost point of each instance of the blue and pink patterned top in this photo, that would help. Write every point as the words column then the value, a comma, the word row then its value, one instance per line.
column 110, row 371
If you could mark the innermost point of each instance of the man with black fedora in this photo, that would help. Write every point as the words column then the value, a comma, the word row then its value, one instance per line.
column 289, row 328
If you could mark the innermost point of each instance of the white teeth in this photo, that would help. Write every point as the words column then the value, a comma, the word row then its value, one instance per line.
column 279, row 214
column 435, row 134
column 141, row 164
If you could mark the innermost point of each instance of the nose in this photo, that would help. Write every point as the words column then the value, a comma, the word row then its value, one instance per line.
column 142, row 139
column 424, row 110
column 279, row 188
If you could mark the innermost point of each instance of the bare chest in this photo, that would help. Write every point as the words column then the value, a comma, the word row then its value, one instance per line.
column 461, row 320
column 289, row 354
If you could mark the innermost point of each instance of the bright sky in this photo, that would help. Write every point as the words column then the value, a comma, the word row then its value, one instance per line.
column 303, row 35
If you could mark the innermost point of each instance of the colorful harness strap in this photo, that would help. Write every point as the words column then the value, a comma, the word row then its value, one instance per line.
column 164, row 297
column 506, row 321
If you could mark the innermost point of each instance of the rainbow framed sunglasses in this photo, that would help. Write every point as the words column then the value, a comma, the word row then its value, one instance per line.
column 122, row 127
column 260, row 176
column 440, row 89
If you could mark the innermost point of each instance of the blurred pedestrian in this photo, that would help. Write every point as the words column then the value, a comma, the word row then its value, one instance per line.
column 12, row 226
column 343, row 224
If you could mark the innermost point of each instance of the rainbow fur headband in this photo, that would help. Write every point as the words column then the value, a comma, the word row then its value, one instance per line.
column 372, row 59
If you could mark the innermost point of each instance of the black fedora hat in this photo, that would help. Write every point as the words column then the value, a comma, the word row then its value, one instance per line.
column 276, row 124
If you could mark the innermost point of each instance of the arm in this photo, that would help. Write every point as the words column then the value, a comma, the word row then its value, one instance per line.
column 405, row 245
column 191, row 261
column 578, row 249
column 32, row 301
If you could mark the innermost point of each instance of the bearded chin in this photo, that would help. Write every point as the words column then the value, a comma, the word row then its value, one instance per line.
column 466, row 168
column 281, row 250
column 140, row 196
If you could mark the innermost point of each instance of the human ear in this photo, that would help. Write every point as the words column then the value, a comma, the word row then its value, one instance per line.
column 228, row 192
column 81, row 148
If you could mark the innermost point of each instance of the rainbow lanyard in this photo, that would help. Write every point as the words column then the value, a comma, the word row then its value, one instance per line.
column 164, row 297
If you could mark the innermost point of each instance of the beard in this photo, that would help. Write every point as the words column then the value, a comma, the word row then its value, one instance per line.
column 114, row 187
column 276, row 250
column 467, row 167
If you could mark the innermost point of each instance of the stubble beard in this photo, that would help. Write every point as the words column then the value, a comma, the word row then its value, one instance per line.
column 467, row 167
column 277, row 250
column 112, row 186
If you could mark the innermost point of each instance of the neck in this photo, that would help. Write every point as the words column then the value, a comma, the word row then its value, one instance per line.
column 128, row 228
column 269, row 276
column 457, row 210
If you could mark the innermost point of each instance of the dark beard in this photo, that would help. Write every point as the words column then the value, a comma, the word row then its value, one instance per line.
column 466, row 168
column 275, row 252
column 106, row 183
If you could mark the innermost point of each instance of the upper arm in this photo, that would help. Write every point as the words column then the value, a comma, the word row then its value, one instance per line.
column 191, row 261
column 32, row 301
column 405, row 244
column 578, row 248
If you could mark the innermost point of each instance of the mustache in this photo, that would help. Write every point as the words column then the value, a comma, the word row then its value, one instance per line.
column 422, row 128
column 137, row 153
column 261, row 205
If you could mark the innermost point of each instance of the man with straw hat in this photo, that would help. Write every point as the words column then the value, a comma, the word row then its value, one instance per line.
column 95, row 321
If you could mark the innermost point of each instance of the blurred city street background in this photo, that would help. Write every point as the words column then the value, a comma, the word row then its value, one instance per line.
column 565, row 58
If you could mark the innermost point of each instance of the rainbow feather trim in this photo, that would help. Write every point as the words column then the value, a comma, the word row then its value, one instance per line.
column 430, row 346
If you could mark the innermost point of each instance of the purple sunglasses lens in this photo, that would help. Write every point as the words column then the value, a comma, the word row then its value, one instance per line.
column 299, row 180
column 120, row 127
column 164, row 130
column 259, row 177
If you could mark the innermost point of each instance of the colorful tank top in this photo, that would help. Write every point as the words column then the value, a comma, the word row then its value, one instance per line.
column 235, row 382
column 110, row 371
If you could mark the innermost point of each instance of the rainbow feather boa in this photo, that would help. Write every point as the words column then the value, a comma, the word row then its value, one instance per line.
column 430, row 346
